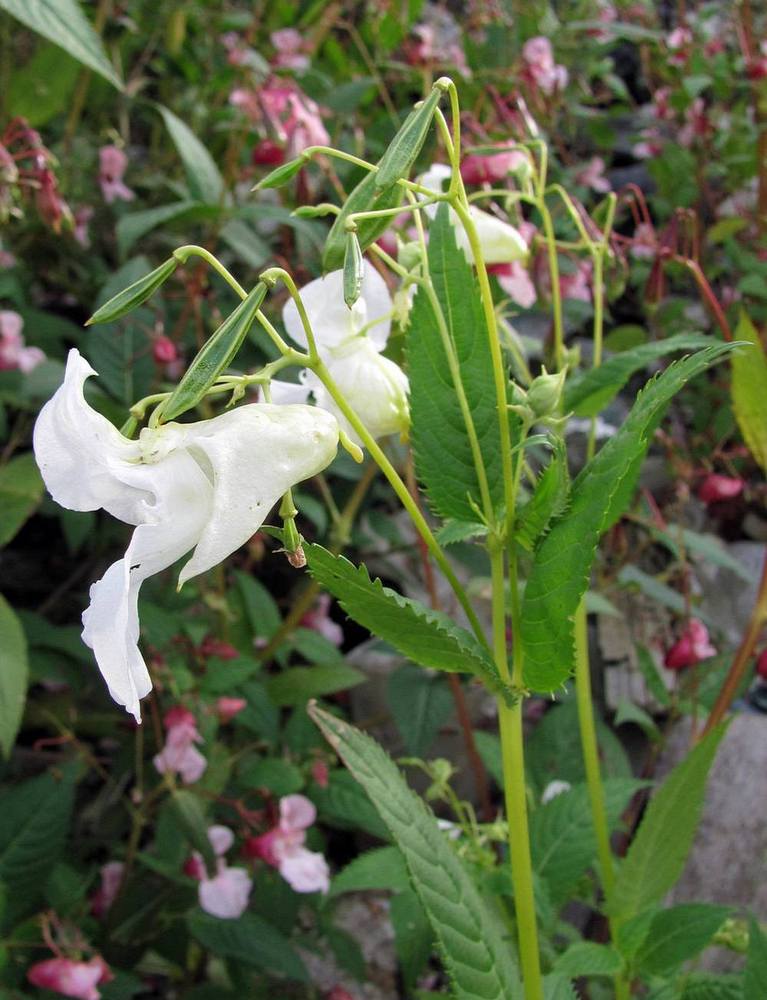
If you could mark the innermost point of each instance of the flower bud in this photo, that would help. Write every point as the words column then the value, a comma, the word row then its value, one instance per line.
column 545, row 393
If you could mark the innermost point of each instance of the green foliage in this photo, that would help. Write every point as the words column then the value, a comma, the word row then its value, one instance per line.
column 444, row 460
column 134, row 295
column 599, row 495
column 749, row 390
column 188, row 812
column 205, row 181
column 755, row 981
column 548, row 502
column 381, row 868
column 13, row 676
column 421, row 703
column 426, row 637
column 678, row 934
column 413, row 936
column 477, row 958
column 21, row 489
column 249, row 939
column 587, row 958
column 63, row 23
column 297, row 685
column 398, row 160
column 659, row 850
column 364, row 198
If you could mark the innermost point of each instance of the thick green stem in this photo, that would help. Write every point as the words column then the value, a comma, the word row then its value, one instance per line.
column 556, row 292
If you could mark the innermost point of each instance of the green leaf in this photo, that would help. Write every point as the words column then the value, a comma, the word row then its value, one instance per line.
column 282, row 174
column 133, row 225
column 476, row 956
column 652, row 676
column 260, row 607
column 755, row 976
column 187, row 810
column 548, row 502
column 354, row 269
column 749, row 390
column 344, row 804
column 413, row 936
column 242, row 238
column 678, row 934
column 705, row 986
column 442, row 448
column 421, row 703
column 657, row 854
column 629, row 712
column 280, row 776
column 34, row 826
column 587, row 394
column 404, row 148
column 659, row 592
column 21, row 489
column 460, row 531
column 587, row 958
column 63, row 23
column 134, row 295
column 205, row 181
column 249, row 939
column 215, row 356
column 43, row 86
column 298, row 684
column 364, row 198
column 13, row 676
column 560, row 573
column 424, row 636
column 556, row 987
column 381, row 868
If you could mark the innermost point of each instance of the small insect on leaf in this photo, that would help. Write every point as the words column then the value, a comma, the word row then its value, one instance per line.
column 215, row 356
column 134, row 295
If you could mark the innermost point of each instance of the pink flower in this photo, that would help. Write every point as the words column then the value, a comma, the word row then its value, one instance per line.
column 290, row 46
column 164, row 350
column 179, row 753
column 267, row 153
column 691, row 647
column 679, row 43
column 437, row 41
column 318, row 619
column 715, row 487
column 757, row 65
column 226, row 894
column 651, row 144
column 82, row 217
column 515, row 280
column 606, row 15
column 112, row 165
column 593, row 176
column 13, row 354
column 540, row 67
column 320, row 773
column 7, row 260
column 644, row 246
column 294, row 117
column 212, row 646
column 697, row 124
column 283, row 847
column 477, row 168
column 52, row 207
column 578, row 284
column 70, row 978
column 105, row 895
column 661, row 108
column 227, row 708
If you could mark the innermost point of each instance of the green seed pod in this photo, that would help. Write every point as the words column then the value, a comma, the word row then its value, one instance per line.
column 545, row 393
column 282, row 174
column 363, row 198
column 404, row 148
column 354, row 269
column 134, row 295
column 215, row 356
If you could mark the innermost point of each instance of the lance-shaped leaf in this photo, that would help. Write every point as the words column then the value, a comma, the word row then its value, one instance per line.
column 588, row 393
column 427, row 637
column 13, row 676
column 560, row 573
column 657, row 854
column 478, row 959
column 215, row 356
column 404, row 148
column 444, row 459
column 282, row 174
column 548, row 501
column 204, row 177
column 749, row 390
column 134, row 295
column 364, row 198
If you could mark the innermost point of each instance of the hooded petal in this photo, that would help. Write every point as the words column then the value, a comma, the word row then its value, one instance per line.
column 332, row 320
column 285, row 393
column 252, row 456
column 180, row 505
column 297, row 812
column 226, row 895
column 305, row 871
column 81, row 454
column 375, row 387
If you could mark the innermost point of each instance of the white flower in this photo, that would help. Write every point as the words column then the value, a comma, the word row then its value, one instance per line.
column 500, row 243
column 349, row 342
column 207, row 485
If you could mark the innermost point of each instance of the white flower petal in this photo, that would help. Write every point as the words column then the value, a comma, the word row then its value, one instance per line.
column 252, row 456
column 305, row 871
column 81, row 454
column 331, row 319
column 181, row 495
column 500, row 243
column 226, row 895
column 285, row 393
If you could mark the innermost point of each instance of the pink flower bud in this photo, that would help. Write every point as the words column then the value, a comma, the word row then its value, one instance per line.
column 164, row 351
column 70, row 978
column 320, row 773
column 691, row 647
column 267, row 154
column 715, row 488
column 761, row 665
column 227, row 708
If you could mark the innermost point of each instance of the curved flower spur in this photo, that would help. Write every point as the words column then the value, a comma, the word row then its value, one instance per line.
column 206, row 486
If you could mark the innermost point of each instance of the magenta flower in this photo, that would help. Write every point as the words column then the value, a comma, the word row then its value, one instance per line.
column 477, row 168
column 70, row 978
column 716, row 487
column 283, row 847
column 13, row 352
column 227, row 708
column 679, row 44
column 540, row 67
column 592, row 175
column 290, row 46
column 112, row 165
column 691, row 647
column 179, row 753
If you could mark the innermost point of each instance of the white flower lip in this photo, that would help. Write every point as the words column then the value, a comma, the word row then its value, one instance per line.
column 206, row 486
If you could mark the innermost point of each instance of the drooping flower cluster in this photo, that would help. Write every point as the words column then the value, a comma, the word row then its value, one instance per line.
column 290, row 115
column 206, row 486
column 540, row 67
column 226, row 893
column 283, row 847
column 14, row 354
column 180, row 755
column 27, row 167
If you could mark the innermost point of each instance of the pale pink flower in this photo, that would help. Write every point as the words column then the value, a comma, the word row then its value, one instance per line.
column 679, row 44
column 14, row 355
column 318, row 619
column 644, row 245
column 293, row 116
column 227, row 708
column 578, row 284
column 82, row 218
column 697, row 124
column 661, row 107
column 651, row 144
column 283, row 847
column 290, row 47
column 179, row 753
column 593, row 175
column 479, row 168
column 7, row 260
column 515, row 280
column 112, row 165
column 606, row 15
column 105, row 895
column 70, row 978
column 540, row 67
column 226, row 894
column 437, row 40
